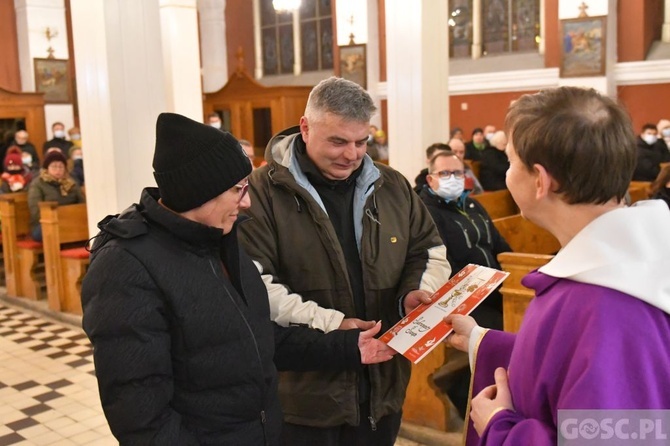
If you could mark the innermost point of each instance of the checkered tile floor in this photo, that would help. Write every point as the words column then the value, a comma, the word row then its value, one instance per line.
column 48, row 390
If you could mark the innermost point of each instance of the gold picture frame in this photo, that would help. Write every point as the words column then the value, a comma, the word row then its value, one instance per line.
column 52, row 77
column 353, row 63
column 583, row 46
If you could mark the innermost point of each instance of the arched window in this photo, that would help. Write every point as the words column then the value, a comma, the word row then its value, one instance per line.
column 501, row 26
column 305, row 35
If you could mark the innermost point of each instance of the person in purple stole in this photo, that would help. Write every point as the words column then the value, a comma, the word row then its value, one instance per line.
column 597, row 334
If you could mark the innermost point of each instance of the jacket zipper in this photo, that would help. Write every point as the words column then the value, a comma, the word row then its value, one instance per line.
column 258, row 353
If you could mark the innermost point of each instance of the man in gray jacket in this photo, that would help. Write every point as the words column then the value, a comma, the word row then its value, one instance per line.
column 340, row 242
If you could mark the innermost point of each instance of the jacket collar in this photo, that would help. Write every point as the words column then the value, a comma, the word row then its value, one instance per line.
column 188, row 231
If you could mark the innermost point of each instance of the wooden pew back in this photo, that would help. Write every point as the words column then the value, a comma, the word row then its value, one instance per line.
column 533, row 247
column 15, row 222
column 639, row 190
column 525, row 236
column 497, row 203
column 516, row 297
column 62, row 225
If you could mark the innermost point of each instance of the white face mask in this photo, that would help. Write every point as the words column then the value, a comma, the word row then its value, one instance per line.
column 59, row 134
column 216, row 125
column 75, row 137
column 489, row 136
column 450, row 188
column 27, row 160
column 666, row 133
column 649, row 138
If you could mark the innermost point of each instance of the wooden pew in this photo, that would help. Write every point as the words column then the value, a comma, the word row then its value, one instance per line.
column 525, row 236
column 64, row 235
column 516, row 297
column 23, row 257
column 498, row 203
column 639, row 190
column 425, row 405
column 533, row 247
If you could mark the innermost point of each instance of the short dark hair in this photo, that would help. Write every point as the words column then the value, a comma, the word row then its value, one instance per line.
column 443, row 153
column 477, row 130
column 435, row 147
column 649, row 126
column 583, row 139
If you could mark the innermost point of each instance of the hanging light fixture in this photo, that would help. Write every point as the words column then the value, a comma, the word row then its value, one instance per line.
column 285, row 5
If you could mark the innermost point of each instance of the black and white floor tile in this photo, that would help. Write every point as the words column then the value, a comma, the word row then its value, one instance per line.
column 48, row 390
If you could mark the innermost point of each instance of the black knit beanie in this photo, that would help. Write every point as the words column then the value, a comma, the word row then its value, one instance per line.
column 194, row 162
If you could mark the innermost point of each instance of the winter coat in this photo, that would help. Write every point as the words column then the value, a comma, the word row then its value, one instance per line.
column 40, row 190
column 184, row 347
column 303, row 265
column 493, row 169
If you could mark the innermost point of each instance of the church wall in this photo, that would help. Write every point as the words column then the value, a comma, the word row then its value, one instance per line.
column 240, row 33
column 646, row 103
column 482, row 109
column 10, row 76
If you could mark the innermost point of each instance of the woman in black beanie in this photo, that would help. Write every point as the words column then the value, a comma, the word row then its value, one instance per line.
column 185, row 352
column 52, row 184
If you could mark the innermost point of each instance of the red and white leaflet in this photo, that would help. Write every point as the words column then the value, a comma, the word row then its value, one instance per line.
column 423, row 329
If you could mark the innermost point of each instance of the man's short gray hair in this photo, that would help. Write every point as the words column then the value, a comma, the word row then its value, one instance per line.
column 342, row 98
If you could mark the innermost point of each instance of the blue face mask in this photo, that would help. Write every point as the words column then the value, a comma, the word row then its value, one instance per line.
column 450, row 188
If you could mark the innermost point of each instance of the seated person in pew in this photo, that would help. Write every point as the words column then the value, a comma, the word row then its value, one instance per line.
column 456, row 146
column 494, row 163
column 16, row 177
column 185, row 352
column 597, row 334
column 53, row 184
column 470, row 237
column 660, row 188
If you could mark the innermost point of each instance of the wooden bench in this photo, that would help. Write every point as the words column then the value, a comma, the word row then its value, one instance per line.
column 522, row 235
column 23, row 257
column 425, row 404
column 497, row 203
column 639, row 190
column 64, row 235
column 533, row 246
column 516, row 297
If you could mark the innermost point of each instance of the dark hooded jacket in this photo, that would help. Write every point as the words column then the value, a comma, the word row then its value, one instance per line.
column 185, row 352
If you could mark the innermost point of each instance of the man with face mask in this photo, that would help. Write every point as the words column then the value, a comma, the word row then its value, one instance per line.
column 214, row 120
column 58, row 140
column 650, row 154
column 467, row 230
column 21, row 141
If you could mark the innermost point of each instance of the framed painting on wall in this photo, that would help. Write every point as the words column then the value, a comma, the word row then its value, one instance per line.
column 52, row 77
column 353, row 64
column 583, row 47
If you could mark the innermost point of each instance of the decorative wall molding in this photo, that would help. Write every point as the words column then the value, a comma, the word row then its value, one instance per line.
column 504, row 81
column 646, row 72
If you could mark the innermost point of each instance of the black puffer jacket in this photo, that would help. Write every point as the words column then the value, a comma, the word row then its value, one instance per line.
column 183, row 354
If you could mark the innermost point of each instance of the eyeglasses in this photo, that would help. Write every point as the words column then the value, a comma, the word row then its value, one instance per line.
column 242, row 189
column 447, row 173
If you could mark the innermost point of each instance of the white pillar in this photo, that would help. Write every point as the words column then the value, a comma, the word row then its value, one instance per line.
column 418, row 72
column 477, row 29
column 297, row 51
column 181, row 57
column 372, row 54
column 666, row 22
column 122, row 90
column 258, row 42
column 33, row 17
column 213, row 43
